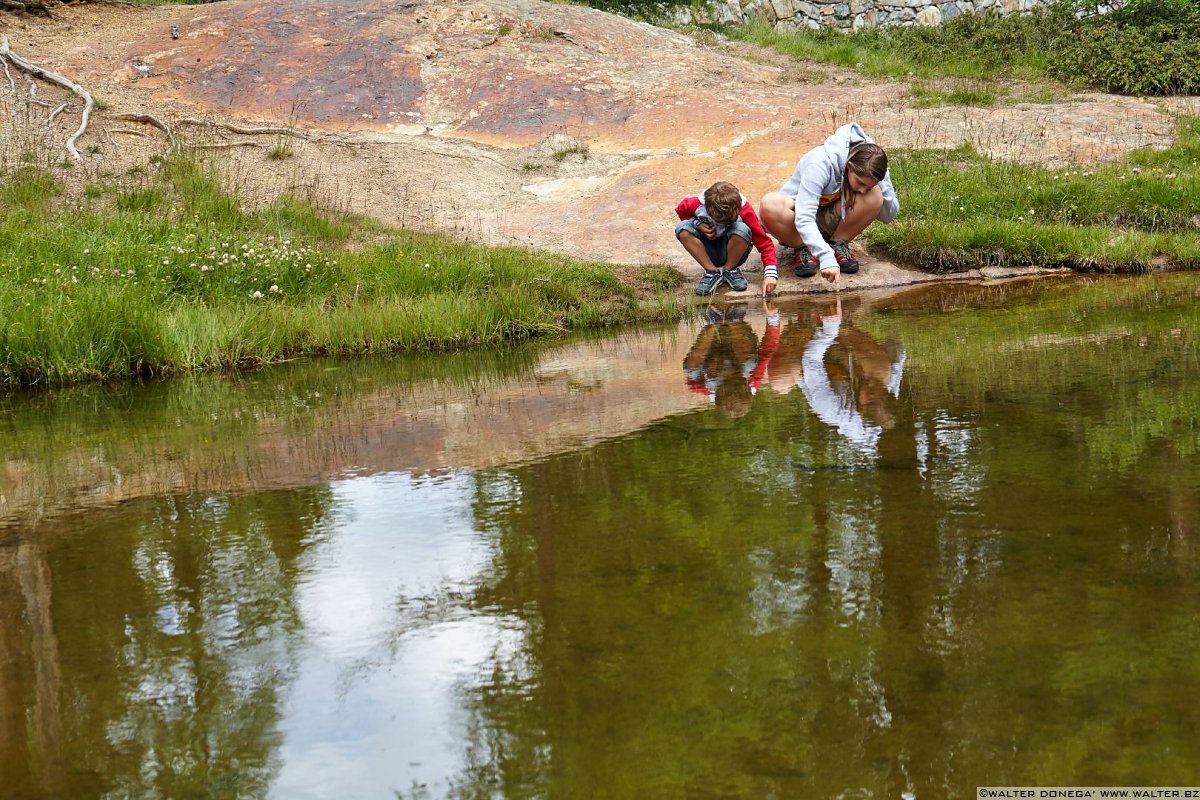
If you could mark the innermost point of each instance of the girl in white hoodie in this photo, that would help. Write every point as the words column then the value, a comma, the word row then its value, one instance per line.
column 837, row 190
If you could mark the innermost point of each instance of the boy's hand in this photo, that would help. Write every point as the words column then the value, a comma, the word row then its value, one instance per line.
column 769, row 285
column 833, row 275
column 707, row 229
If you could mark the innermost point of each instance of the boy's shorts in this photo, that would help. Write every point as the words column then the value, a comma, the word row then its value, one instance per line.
column 718, row 248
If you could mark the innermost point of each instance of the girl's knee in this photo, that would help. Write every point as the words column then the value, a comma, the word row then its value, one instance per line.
column 873, row 199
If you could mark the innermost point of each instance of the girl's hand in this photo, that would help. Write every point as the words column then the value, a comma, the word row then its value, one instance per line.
column 769, row 285
column 833, row 275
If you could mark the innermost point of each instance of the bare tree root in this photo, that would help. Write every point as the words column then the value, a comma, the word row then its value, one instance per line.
column 61, row 108
column 150, row 119
column 227, row 145
column 269, row 129
column 37, row 72
column 12, row 85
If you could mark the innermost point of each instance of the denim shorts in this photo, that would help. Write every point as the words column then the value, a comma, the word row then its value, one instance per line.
column 717, row 248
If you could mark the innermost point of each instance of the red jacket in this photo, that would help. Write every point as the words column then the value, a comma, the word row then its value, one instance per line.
column 762, row 242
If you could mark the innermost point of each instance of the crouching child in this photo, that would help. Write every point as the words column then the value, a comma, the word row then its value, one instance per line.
column 717, row 229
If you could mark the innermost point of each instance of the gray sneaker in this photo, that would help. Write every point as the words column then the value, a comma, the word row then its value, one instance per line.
column 736, row 280
column 847, row 263
column 710, row 282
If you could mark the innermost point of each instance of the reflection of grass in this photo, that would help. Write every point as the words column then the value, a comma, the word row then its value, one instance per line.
column 173, row 275
column 1011, row 341
column 961, row 210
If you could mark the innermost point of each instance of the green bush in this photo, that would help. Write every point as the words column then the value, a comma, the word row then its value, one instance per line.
column 1145, row 48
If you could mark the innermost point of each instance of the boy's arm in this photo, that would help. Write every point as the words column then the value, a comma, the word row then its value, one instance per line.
column 762, row 242
column 687, row 207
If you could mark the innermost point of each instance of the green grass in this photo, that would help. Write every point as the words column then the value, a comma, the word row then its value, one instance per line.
column 961, row 210
column 969, row 94
column 170, row 274
column 571, row 150
column 970, row 46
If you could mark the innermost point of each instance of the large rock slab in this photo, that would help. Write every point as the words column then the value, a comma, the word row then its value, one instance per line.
column 555, row 126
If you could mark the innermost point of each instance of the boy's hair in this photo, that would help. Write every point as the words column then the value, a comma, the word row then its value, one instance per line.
column 723, row 202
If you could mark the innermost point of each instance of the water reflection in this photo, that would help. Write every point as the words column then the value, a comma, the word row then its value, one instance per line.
column 727, row 363
column 998, row 586
column 850, row 380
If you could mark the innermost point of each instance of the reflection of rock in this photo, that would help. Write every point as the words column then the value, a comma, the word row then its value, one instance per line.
column 572, row 397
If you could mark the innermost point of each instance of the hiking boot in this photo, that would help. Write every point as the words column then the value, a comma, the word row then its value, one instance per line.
column 736, row 280
column 710, row 282
column 806, row 264
column 847, row 263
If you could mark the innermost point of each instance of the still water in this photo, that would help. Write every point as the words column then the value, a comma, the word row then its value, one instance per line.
column 930, row 540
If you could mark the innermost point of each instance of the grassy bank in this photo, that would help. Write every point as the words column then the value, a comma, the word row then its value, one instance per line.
column 1148, row 47
column 962, row 210
column 172, row 275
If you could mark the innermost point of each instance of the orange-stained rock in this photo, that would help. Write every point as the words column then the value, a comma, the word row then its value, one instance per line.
column 555, row 126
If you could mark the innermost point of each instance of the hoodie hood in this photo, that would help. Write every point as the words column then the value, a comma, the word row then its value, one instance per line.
column 837, row 146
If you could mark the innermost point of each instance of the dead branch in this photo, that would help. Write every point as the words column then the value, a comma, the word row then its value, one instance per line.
column 12, row 85
column 150, row 119
column 129, row 131
column 36, row 71
column 227, row 145
column 14, row 5
column 276, row 129
column 61, row 108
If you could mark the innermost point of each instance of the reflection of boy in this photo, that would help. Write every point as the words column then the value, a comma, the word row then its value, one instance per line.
column 717, row 230
column 727, row 362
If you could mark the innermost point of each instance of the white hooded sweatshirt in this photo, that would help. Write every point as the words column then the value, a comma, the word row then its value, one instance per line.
column 820, row 172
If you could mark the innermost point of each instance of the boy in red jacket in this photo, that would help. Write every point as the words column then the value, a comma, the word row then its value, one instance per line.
column 717, row 230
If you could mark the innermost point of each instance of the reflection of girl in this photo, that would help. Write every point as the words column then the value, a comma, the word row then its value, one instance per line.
column 837, row 190
column 852, row 395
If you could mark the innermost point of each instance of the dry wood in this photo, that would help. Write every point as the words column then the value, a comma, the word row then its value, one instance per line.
column 61, row 108
column 129, row 131
column 150, row 119
column 247, row 131
column 226, row 145
column 37, row 72
column 12, row 85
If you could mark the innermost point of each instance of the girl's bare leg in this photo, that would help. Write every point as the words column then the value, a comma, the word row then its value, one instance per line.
column 866, row 208
column 778, row 212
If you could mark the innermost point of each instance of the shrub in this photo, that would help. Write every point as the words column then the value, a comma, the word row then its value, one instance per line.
column 1144, row 48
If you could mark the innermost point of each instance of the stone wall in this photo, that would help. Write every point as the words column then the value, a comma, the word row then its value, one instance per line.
column 790, row 15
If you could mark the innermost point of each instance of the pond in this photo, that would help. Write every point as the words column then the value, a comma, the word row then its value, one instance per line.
column 898, row 547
